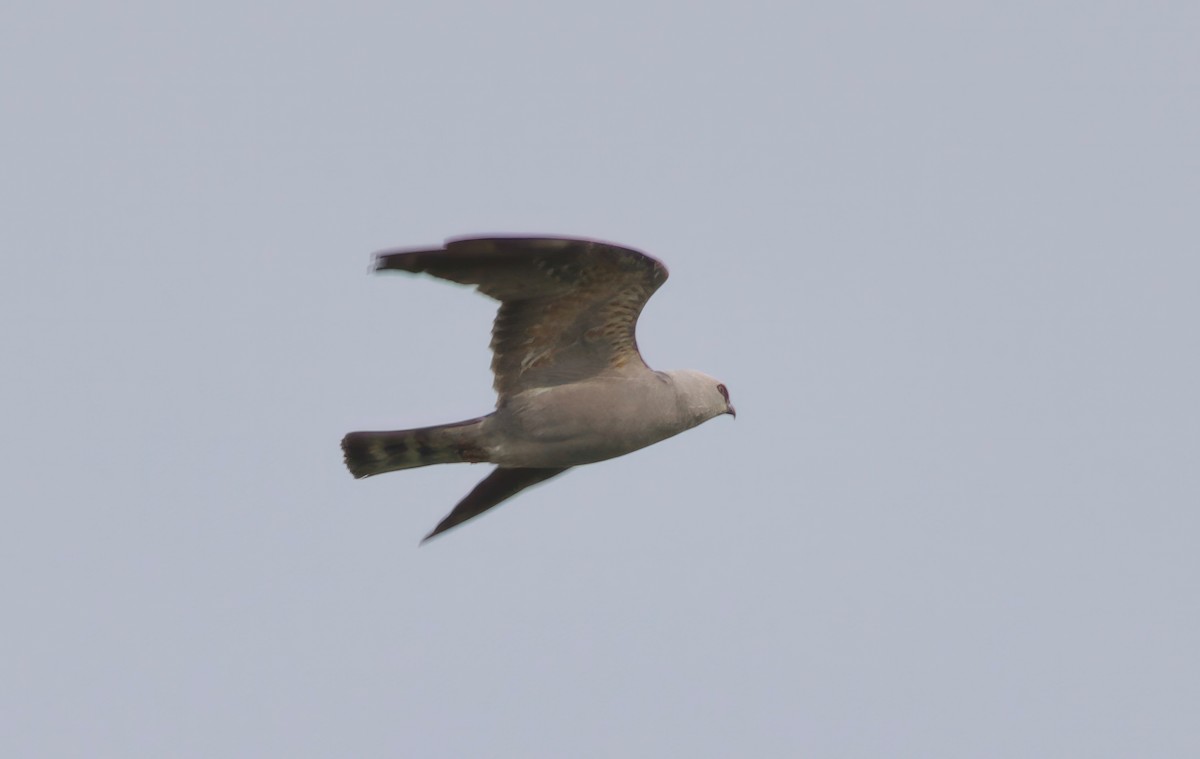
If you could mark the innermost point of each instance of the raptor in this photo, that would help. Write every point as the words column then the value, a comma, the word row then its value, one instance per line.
column 571, row 385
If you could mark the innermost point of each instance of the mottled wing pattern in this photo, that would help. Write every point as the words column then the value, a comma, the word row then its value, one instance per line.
column 568, row 307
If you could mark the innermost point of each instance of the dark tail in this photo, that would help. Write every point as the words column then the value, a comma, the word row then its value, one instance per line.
column 369, row 453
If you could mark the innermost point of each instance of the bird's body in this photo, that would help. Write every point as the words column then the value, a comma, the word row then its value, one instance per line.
column 572, row 387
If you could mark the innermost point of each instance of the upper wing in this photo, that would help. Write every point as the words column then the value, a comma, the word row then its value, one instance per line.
column 568, row 307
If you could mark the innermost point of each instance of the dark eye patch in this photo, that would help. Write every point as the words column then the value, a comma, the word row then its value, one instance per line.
column 724, row 393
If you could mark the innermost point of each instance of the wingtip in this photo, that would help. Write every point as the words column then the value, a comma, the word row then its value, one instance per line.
column 387, row 261
column 411, row 260
column 442, row 527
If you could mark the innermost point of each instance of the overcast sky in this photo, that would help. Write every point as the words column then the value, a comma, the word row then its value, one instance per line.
column 944, row 254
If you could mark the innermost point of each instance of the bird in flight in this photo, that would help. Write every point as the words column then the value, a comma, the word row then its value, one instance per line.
column 571, row 386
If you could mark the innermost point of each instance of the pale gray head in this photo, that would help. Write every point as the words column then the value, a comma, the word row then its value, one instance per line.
column 702, row 396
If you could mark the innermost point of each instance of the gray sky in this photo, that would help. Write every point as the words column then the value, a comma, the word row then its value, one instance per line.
column 945, row 255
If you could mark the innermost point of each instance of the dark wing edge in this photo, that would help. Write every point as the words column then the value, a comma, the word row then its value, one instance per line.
column 503, row 483
column 475, row 260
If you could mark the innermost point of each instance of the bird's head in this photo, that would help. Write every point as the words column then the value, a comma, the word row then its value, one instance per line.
column 703, row 396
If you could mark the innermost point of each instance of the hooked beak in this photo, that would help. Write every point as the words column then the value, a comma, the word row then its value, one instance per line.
column 729, row 409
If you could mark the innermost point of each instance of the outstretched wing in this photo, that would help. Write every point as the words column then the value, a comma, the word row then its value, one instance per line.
column 500, row 485
column 568, row 307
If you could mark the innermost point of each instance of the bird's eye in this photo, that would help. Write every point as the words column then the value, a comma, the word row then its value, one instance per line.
column 724, row 393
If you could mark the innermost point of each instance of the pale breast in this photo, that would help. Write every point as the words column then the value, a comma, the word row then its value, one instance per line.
column 584, row 422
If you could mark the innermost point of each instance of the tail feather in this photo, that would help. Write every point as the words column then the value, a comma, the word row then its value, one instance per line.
column 369, row 453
